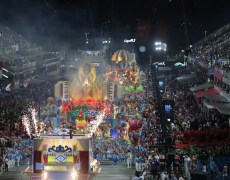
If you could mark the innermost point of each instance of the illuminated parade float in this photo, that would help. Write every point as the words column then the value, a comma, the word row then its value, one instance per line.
column 105, row 94
column 63, row 148
column 57, row 158
column 89, row 112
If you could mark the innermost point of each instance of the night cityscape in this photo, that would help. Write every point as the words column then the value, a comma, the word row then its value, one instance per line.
column 111, row 89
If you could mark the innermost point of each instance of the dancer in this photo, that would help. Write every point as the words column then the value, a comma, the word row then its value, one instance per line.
column 138, row 162
column 129, row 159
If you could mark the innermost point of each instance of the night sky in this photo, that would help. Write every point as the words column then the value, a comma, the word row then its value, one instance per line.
column 65, row 21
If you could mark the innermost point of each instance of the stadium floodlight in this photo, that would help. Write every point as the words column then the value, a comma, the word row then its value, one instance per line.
column 157, row 43
column 5, row 69
column 106, row 41
column 159, row 46
column 5, row 76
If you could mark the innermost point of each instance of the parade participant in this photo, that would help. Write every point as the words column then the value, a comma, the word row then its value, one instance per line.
column 138, row 162
column 6, row 164
column 115, row 159
column 81, row 120
column 126, row 132
column 186, row 166
column 154, row 166
column 129, row 159
column 18, row 158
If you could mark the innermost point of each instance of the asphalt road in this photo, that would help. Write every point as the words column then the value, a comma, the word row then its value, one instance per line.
column 14, row 173
column 109, row 171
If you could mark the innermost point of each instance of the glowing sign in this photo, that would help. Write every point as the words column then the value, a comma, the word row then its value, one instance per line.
column 168, row 108
column 161, row 84
column 129, row 40
column 161, row 63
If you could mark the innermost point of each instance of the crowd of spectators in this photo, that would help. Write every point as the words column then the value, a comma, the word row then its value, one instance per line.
column 10, row 42
column 188, row 118
column 218, row 32
column 187, row 114
column 214, row 51
column 15, row 143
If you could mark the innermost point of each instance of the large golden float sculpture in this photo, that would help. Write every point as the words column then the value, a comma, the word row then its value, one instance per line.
column 85, row 89
column 86, row 86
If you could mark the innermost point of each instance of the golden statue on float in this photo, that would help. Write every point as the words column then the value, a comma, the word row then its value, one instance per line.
column 86, row 86
column 86, row 89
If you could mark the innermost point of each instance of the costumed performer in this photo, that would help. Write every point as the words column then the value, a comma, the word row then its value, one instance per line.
column 81, row 121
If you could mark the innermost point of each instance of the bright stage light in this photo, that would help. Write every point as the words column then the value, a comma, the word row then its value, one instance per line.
column 74, row 175
column 45, row 175
column 159, row 46
column 157, row 43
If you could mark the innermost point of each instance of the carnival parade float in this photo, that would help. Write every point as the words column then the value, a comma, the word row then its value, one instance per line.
column 69, row 134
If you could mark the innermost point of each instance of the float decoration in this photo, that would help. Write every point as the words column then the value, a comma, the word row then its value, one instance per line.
column 60, row 149
column 85, row 87
column 81, row 120
column 119, row 56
